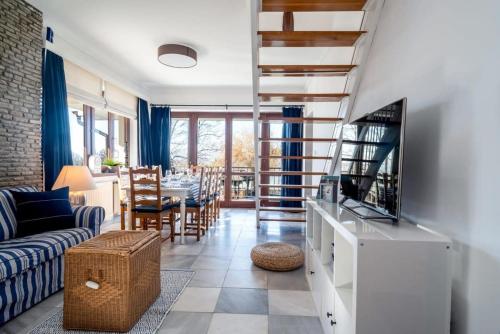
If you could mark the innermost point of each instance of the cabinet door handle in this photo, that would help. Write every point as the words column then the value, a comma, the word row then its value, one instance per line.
column 311, row 272
column 332, row 322
column 328, row 314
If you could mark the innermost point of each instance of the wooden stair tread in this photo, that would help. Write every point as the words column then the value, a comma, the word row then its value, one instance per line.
column 301, row 119
column 298, row 97
column 282, row 209
column 291, row 157
column 283, row 219
column 312, row 5
column 359, row 160
column 288, row 186
column 273, row 173
column 305, row 70
column 309, row 38
column 298, row 140
column 363, row 142
column 283, row 198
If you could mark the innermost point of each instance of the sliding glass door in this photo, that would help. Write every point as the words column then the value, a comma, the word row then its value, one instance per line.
column 221, row 139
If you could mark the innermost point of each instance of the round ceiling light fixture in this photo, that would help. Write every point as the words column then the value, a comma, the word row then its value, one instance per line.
column 178, row 56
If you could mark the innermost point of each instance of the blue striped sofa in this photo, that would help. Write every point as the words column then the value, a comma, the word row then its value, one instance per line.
column 31, row 268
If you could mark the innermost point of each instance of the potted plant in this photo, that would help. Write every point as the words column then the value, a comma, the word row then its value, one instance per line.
column 110, row 165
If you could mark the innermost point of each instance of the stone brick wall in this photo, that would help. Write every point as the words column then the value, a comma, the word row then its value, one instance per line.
column 20, row 83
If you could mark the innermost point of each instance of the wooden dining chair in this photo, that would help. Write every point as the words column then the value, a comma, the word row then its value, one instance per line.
column 215, row 194
column 195, row 207
column 210, row 199
column 218, row 191
column 147, row 202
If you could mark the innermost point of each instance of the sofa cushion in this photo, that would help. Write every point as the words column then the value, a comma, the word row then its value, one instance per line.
column 22, row 254
column 8, row 223
column 39, row 212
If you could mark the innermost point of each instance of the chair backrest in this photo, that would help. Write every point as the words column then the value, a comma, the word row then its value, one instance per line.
column 199, row 190
column 211, row 181
column 123, row 183
column 145, row 187
column 195, row 170
column 220, row 177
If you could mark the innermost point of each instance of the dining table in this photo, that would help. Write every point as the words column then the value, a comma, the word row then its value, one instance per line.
column 179, row 189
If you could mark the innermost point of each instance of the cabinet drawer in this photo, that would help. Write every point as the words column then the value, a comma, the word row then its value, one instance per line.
column 327, row 315
column 317, row 281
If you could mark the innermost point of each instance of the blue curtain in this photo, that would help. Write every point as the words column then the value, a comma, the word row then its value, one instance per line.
column 144, row 134
column 160, row 136
column 291, row 130
column 56, row 139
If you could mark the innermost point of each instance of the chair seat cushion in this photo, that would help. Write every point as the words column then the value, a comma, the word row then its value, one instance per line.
column 21, row 254
column 191, row 203
column 38, row 212
column 194, row 204
column 153, row 209
column 277, row 256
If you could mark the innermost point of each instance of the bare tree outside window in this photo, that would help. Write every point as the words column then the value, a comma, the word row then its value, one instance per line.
column 211, row 142
column 179, row 138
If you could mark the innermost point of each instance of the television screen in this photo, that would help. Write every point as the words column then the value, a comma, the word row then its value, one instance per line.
column 372, row 153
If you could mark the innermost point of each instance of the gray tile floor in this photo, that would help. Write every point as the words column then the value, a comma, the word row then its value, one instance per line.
column 228, row 294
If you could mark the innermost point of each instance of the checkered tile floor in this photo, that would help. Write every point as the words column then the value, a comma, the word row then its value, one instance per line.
column 228, row 294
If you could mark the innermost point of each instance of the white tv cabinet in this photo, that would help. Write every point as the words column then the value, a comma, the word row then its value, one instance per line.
column 383, row 279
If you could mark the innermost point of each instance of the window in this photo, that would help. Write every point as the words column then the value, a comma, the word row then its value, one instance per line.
column 225, row 139
column 101, row 131
column 76, row 126
column 275, row 130
column 97, row 132
column 243, row 155
column 119, row 140
column 179, row 140
column 211, row 142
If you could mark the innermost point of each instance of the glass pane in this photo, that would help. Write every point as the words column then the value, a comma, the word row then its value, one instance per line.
column 211, row 142
column 119, row 140
column 243, row 187
column 243, row 155
column 76, row 122
column 101, row 133
column 179, row 140
column 276, row 131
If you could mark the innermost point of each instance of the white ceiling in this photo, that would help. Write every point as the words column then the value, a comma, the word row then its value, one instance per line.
column 124, row 36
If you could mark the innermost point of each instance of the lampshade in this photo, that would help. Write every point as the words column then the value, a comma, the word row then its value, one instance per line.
column 176, row 55
column 77, row 178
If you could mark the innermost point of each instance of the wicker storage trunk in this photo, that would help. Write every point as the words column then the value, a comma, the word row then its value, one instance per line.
column 111, row 280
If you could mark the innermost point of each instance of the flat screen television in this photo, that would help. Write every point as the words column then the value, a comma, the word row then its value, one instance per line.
column 372, row 161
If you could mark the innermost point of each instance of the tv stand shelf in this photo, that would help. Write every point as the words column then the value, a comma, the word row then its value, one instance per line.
column 383, row 279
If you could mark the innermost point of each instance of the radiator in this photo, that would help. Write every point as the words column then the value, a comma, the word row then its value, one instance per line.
column 106, row 196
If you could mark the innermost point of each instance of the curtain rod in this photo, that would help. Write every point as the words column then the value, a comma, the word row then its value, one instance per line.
column 224, row 105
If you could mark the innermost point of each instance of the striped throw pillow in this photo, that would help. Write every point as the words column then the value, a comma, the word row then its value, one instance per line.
column 40, row 212
column 8, row 221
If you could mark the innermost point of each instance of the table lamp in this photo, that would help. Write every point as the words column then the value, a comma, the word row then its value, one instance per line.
column 78, row 179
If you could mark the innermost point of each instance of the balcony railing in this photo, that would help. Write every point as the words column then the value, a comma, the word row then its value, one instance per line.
column 243, row 183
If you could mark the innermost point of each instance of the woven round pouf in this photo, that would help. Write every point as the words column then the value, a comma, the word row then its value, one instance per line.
column 277, row 256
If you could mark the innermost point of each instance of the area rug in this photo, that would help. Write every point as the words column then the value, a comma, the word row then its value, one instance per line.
column 173, row 283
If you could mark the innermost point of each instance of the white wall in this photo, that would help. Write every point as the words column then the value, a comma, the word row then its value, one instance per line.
column 445, row 57
column 201, row 95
